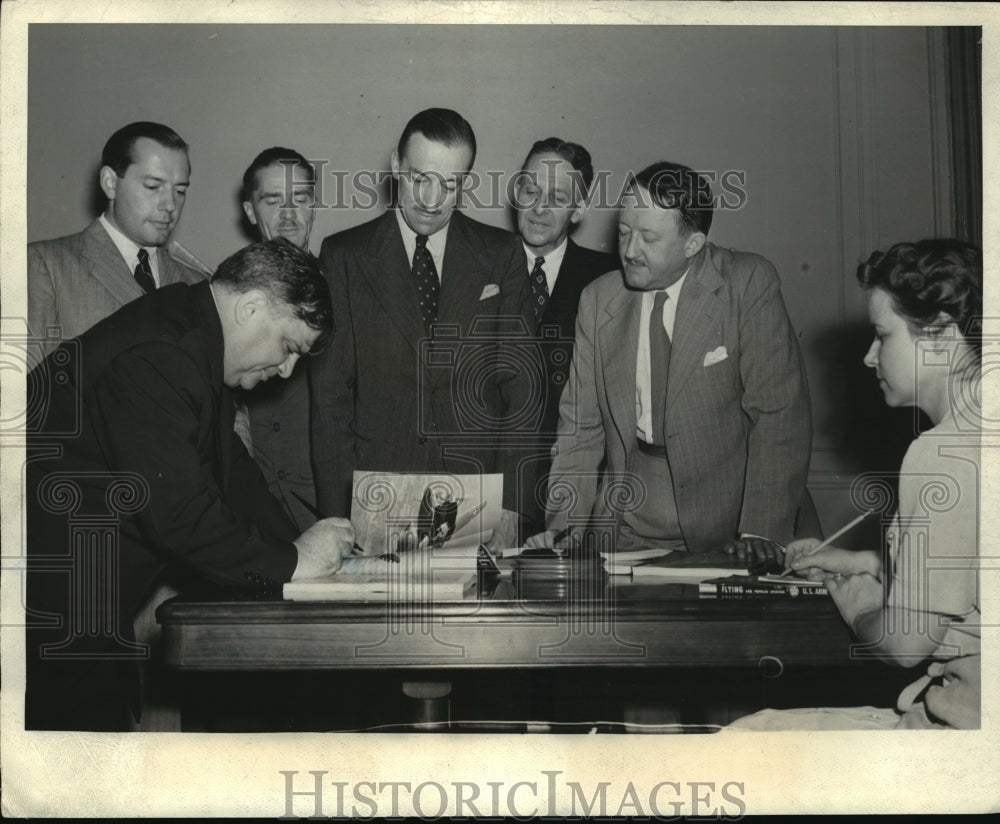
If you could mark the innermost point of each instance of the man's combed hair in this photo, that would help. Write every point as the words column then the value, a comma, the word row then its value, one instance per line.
column 573, row 153
column 118, row 151
column 440, row 126
column 673, row 186
column 271, row 157
column 929, row 277
column 289, row 275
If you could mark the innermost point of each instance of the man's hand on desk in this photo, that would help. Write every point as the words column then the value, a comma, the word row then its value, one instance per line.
column 323, row 547
column 762, row 555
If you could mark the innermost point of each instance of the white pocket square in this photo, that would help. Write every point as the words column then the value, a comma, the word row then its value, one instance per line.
column 489, row 290
column 715, row 356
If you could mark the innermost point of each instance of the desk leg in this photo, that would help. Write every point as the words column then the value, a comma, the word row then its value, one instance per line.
column 431, row 709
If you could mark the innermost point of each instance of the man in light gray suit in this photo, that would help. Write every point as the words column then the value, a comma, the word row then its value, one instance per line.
column 77, row 280
column 687, row 381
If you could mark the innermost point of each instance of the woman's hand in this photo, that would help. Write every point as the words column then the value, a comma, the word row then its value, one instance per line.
column 820, row 564
column 856, row 595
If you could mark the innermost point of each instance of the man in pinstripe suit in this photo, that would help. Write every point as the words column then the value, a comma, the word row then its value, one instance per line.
column 687, row 382
column 77, row 280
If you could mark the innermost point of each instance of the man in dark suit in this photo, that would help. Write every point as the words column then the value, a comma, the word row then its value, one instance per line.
column 134, row 466
column 279, row 193
column 687, row 386
column 550, row 193
column 389, row 397
column 77, row 280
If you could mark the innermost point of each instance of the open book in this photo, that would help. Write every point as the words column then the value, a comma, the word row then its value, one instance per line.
column 418, row 536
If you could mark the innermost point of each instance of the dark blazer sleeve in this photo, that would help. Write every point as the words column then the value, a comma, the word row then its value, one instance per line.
column 331, row 387
column 154, row 414
column 776, row 401
column 248, row 494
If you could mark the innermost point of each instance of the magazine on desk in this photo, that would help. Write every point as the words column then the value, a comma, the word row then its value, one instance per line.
column 417, row 536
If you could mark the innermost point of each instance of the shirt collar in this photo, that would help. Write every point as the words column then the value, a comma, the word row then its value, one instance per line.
column 553, row 260
column 128, row 248
column 435, row 242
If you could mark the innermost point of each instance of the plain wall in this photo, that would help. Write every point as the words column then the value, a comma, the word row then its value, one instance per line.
column 835, row 130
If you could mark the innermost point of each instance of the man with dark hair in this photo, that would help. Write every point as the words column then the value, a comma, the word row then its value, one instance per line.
column 687, row 385
column 77, row 280
column 549, row 196
column 279, row 193
column 135, row 468
column 411, row 381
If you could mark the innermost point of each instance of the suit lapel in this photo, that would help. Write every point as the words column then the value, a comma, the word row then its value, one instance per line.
column 464, row 275
column 698, row 309
column 619, row 339
column 563, row 300
column 107, row 265
column 387, row 271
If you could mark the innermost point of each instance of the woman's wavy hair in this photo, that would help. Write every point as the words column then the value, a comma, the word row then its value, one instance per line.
column 929, row 277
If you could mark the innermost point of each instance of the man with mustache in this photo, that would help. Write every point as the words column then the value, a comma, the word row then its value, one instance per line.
column 77, row 280
column 687, row 385
column 279, row 195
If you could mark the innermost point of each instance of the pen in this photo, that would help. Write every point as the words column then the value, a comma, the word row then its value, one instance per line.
column 845, row 528
column 356, row 549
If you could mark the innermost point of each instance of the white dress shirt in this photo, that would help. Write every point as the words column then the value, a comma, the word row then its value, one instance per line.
column 552, row 262
column 130, row 250
column 435, row 243
column 643, row 420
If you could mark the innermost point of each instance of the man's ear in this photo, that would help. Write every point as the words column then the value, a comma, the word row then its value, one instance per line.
column 394, row 163
column 108, row 179
column 579, row 212
column 694, row 244
column 248, row 211
column 250, row 305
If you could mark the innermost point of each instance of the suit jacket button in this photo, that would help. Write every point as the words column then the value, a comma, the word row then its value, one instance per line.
column 275, row 427
column 281, row 474
column 422, row 440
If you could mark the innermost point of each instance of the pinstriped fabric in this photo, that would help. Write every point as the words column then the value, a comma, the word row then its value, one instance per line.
column 77, row 280
column 738, row 429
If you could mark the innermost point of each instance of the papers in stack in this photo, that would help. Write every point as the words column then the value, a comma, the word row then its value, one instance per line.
column 673, row 567
column 419, row 535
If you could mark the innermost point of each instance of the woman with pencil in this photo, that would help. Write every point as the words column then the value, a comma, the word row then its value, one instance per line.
column 925, row 303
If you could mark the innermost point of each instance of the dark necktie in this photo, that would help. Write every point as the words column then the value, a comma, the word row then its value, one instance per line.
column 144, row 273
column 659, row 363
column 539, row 289
column 426, row 277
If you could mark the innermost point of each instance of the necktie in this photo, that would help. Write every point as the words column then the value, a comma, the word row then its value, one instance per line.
column 539, row 289
column 426, row 277
column 144, row 273
column 241, row 425
column 659, row 363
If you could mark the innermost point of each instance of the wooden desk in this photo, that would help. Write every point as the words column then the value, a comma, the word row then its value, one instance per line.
column 618, row 639
column 633, row 625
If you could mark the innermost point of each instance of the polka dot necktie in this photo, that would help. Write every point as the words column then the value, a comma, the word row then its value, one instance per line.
column 144, row 273
column 539, row 289
column 659, row 364
column 426, row 277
